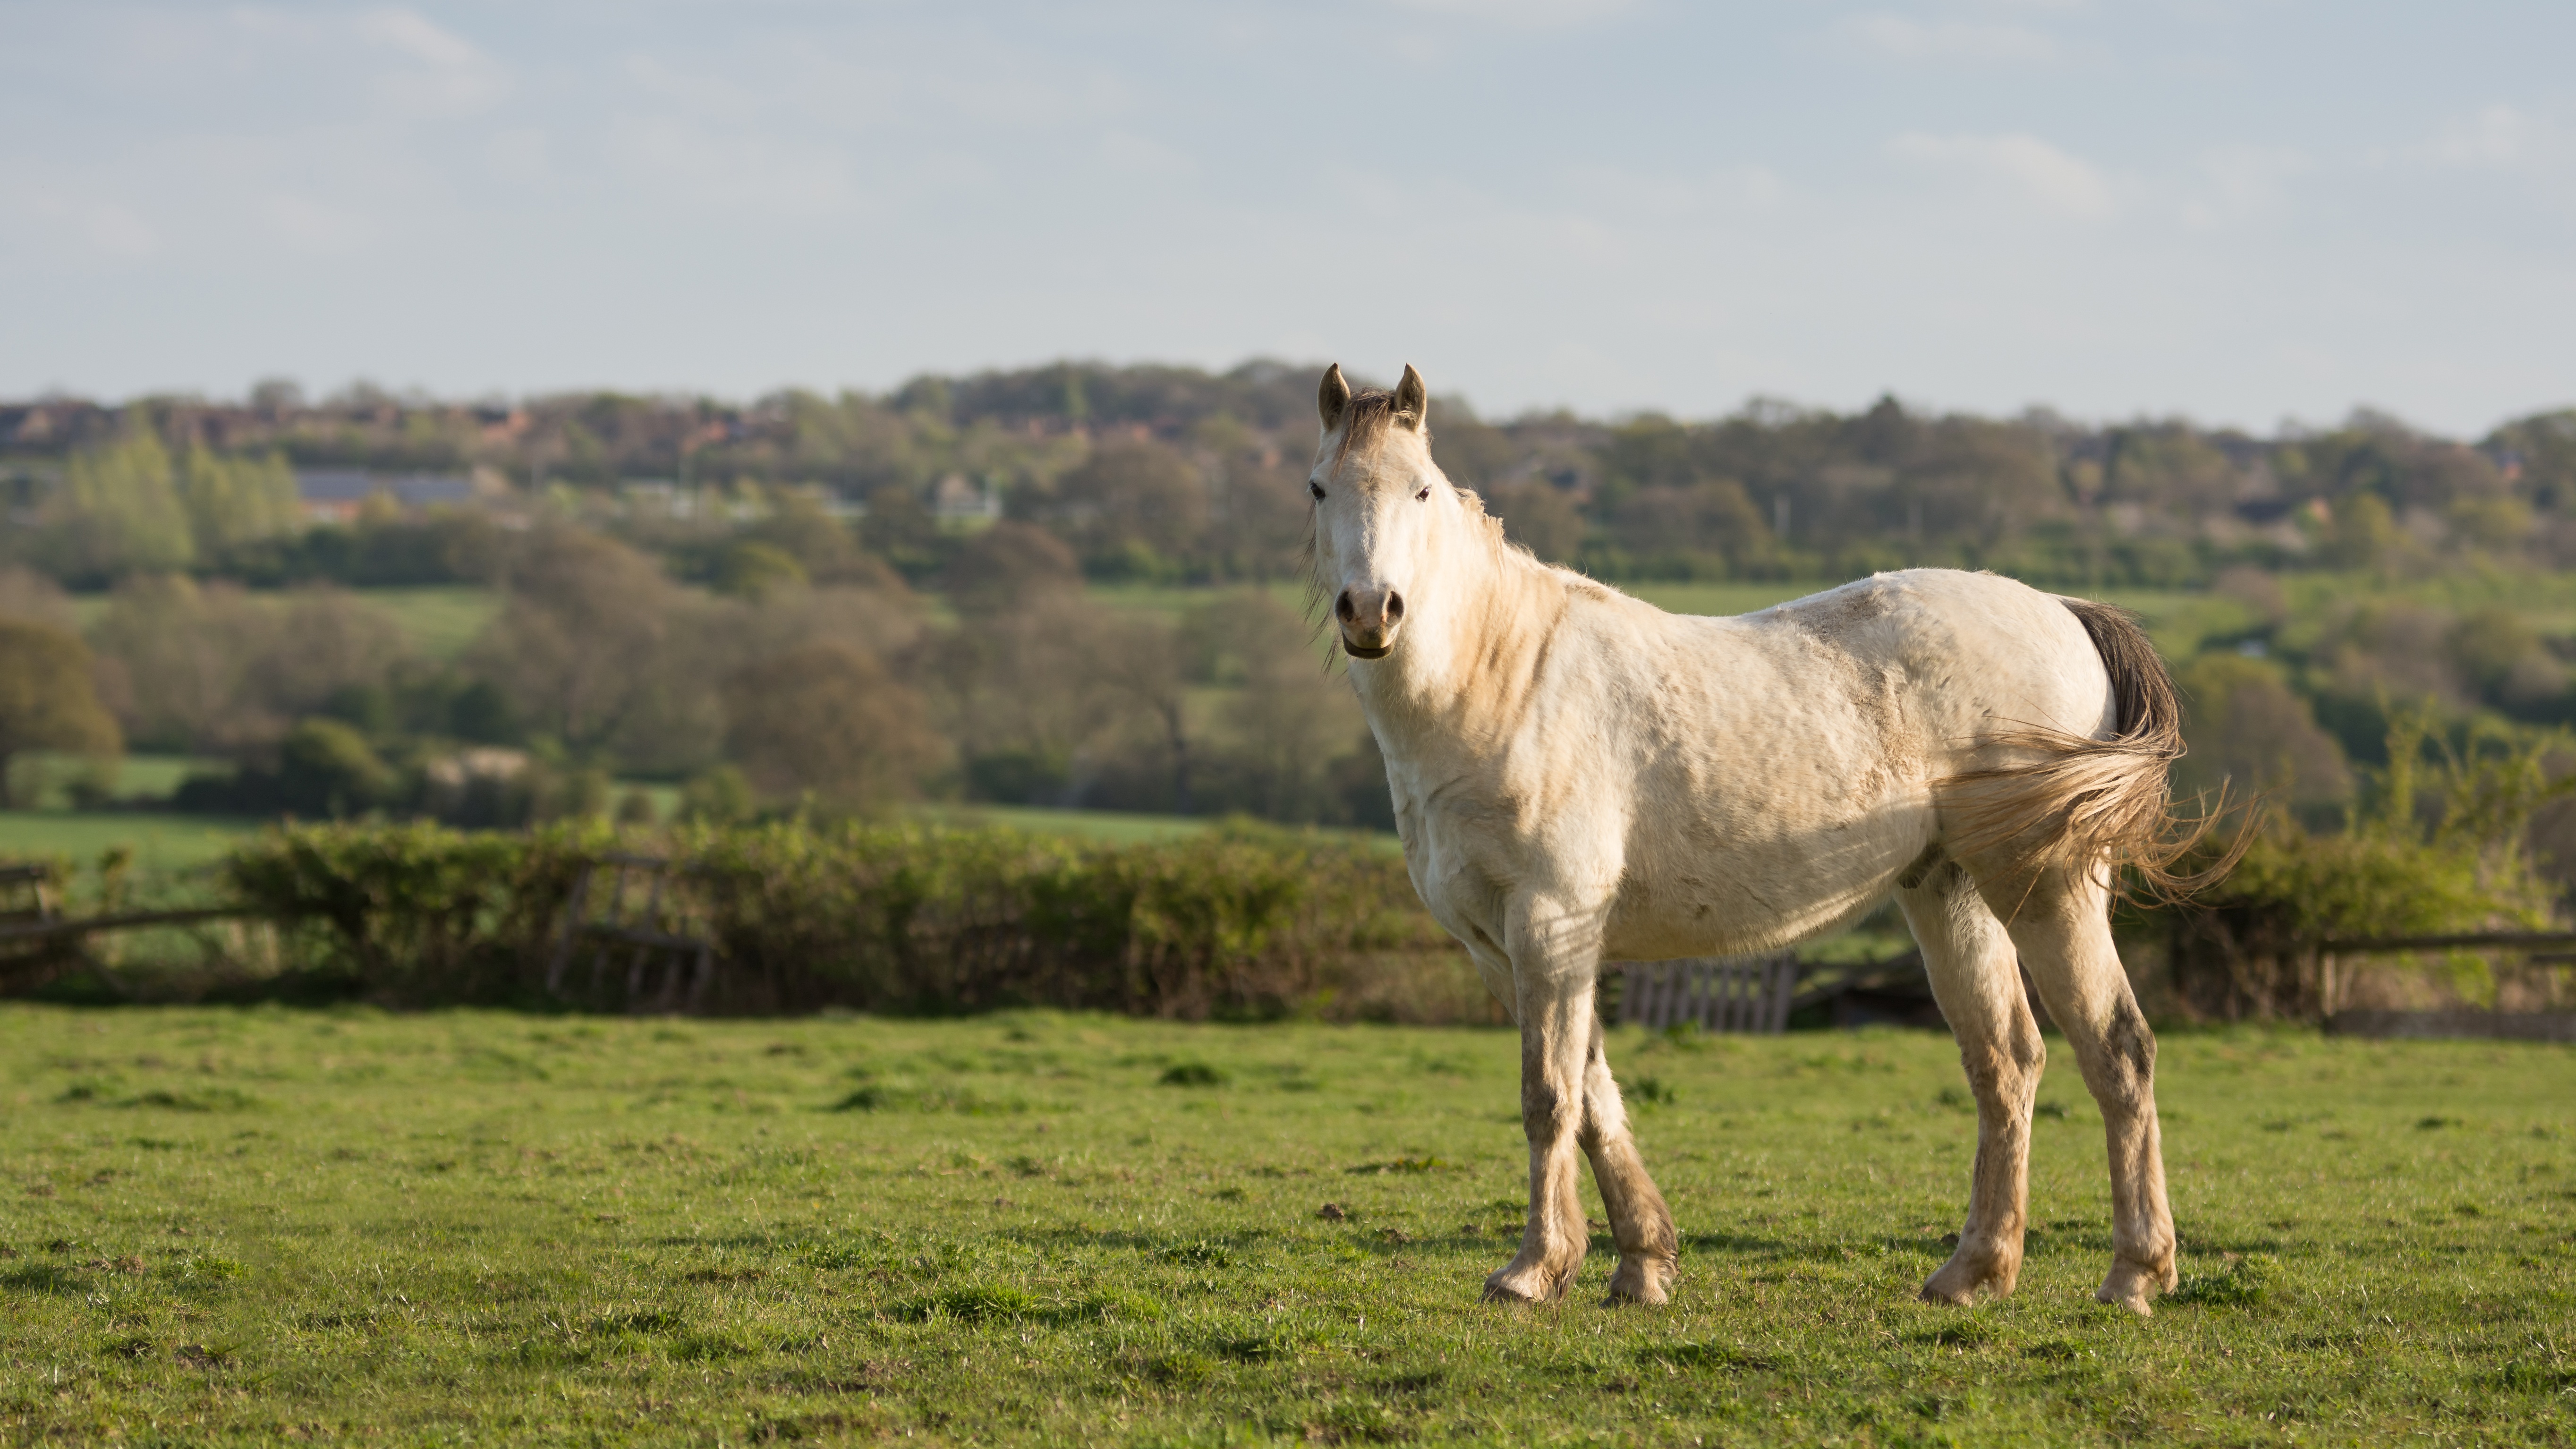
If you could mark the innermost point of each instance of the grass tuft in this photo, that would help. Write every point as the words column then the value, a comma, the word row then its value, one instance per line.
column 2240, row 1283
column 970, row 1303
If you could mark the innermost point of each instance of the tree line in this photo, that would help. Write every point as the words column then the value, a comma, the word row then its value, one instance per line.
column 1179, row 475
column 1014, row 686
column 781, row 602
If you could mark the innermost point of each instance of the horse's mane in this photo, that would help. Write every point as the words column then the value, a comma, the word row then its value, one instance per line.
column 1365, row 421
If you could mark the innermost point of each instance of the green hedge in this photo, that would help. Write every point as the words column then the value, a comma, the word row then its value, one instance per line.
column 871, row 917
column 2440, row 848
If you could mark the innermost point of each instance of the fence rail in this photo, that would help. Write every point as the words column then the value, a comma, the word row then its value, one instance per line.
column 685, row 963
column 2464, row 941
column 1714, row 993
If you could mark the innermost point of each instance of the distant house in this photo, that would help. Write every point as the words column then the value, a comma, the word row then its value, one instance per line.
column 334, row 495
column 956, row 499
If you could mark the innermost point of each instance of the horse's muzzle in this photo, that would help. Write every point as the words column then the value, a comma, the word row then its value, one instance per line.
column 1369, row 618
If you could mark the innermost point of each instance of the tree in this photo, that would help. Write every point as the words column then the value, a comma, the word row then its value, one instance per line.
column 2245, row 726
column 327, row 769
column 27, row 594
column 46, row 699
column 1539, row 517
column 1009, row 566
column 1134, row 506
column 209, row 669
column 179, row 656
column 1709, row 518
column 578, row 641
column 827, row 719
column 2362, row 533
column 118, row 512
column 1287, row 720
column 232, row 501
column 748, row 569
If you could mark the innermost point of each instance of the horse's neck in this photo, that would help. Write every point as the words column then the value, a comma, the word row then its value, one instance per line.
column 1464, row 678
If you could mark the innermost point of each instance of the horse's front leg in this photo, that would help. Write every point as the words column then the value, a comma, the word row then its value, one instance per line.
column 1556, row 1040
column 1639, row 1222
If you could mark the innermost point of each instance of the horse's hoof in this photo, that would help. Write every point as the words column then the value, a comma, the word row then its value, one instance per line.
column 1957, row 1281
column 1526, row 1285
column 1641, row 1282
column 2134, row 1286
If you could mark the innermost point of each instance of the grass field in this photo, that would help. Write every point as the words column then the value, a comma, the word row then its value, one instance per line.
column 161, row 843
column 261, row 1226
column 438, row 621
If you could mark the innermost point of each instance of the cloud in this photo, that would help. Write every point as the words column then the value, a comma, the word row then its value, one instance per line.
column 312, row 226
column 1909, row 39
column 106, row 226
column 1131, row 154
column 412, row 33
column 2497, row 138
column 1523, row 14
column 2240, row 182
column 685, row 161
column 449, row 78
column 2038, row 171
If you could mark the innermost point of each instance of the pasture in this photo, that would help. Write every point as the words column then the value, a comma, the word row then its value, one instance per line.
column 251, row 1226
column 162, row 843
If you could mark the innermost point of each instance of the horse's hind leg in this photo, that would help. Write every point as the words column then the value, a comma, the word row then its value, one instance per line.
column 1970, row 960
column 2064, row 932
column 1639, row 1222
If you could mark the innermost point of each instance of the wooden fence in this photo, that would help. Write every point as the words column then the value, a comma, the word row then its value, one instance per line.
column 1714, row 993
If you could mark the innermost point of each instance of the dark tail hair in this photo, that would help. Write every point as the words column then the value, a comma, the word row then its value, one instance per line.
column 2088, row 803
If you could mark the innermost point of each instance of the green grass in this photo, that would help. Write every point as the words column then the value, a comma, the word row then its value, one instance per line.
column 1114, row 827
column 161, row 843
column 251, row 1226
column 439, row 622
column 41, row 780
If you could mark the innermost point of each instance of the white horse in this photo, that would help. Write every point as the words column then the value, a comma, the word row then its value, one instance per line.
column 1579, row 776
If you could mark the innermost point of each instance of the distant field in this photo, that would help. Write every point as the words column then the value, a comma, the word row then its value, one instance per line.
column 161, row 843
column 42, row 781
column 438, row 622
column 170, row 842
column 269, row 1226
column 1112, row 826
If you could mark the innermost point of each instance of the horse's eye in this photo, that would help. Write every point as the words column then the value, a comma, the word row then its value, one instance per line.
column 1424, row 495
column 1315, row 488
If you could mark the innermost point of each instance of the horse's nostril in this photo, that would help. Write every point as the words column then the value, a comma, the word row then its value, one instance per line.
column 1345, row 608
column 1394, row 605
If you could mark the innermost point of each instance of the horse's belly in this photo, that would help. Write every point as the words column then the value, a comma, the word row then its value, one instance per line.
column 1729, row 882
column 1720, row 923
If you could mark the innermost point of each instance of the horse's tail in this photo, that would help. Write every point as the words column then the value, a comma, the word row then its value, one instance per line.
column 2086, row 804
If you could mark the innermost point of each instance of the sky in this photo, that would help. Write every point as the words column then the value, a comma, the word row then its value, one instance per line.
column 2244, row 213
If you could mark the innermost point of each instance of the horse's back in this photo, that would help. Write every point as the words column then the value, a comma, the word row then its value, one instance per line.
column 1975, row 649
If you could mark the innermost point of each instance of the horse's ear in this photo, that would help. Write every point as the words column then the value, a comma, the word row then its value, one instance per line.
column 1333, row 397
column 1412, row 401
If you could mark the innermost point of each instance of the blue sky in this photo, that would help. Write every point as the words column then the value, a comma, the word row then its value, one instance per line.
column 2239, row 212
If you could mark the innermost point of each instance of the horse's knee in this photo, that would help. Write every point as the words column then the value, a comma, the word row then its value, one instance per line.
column 2121, row 1069
column 1548, row 1114
column 2129, row 1043
column 2006, row 1070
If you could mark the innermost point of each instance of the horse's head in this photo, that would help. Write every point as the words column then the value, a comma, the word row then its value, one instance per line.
column 1382, row 508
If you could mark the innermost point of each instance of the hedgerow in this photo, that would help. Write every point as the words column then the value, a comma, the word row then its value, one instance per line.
column 872, row 917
